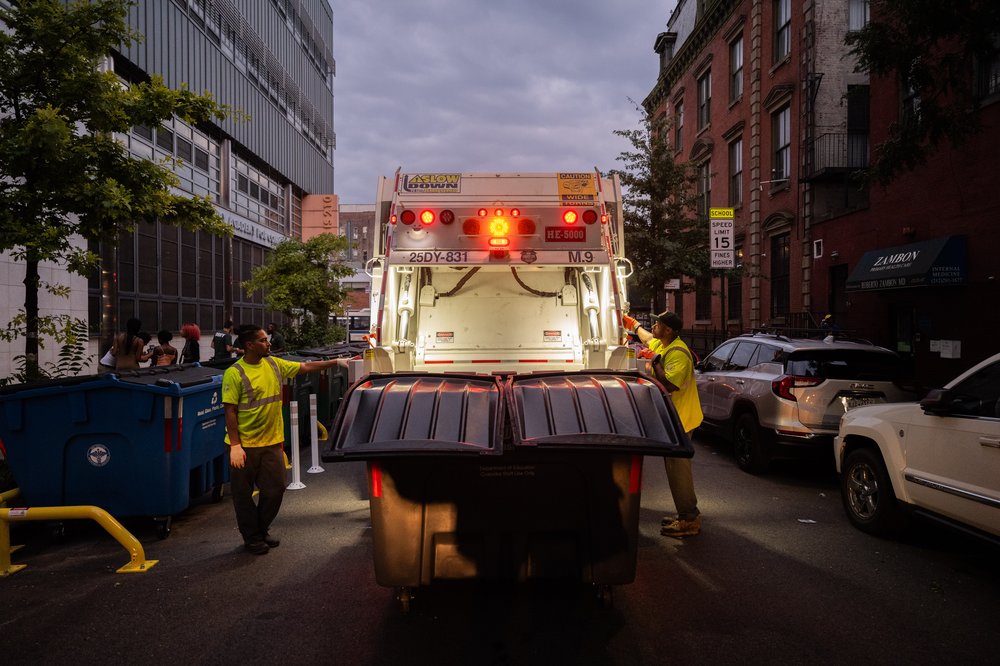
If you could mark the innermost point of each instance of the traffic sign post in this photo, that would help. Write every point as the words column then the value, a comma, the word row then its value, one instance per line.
column 721, row 237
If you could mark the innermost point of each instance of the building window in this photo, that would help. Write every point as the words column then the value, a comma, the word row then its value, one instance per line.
column 679, row 126
column 988, row 72
column 704, row 187
column 258, row 196
column 857, row 126
column 736, row 173
column 703, row 298
column 780, row 272
column 704, row 100
column 857, row 15
column 782, row 141
column 782, row 29
column 736, row 69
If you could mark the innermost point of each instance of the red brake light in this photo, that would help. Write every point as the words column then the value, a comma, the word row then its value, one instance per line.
column 569, row 217
column 782, row 387
column 447, row 217
column 471, row 227
column 514, row 212
column 590, row 216
column 483, row 212
column 427, row 216
column 408, row 217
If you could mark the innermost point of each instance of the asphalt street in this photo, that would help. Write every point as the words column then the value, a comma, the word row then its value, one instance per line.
column 777, row 576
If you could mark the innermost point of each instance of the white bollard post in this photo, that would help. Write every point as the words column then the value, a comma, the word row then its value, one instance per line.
column 296, row 483
column 314, row 436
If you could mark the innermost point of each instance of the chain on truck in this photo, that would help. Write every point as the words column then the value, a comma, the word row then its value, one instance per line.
column 483, row 272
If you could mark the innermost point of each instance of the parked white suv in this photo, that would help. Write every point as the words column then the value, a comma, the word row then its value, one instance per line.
column 939, row 457
column 777, row 396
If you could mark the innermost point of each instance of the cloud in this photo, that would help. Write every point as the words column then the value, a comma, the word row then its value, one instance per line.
column 468, row 85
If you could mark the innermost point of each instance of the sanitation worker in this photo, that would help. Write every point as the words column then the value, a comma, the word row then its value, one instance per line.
column 673, row 366
column 255, row 433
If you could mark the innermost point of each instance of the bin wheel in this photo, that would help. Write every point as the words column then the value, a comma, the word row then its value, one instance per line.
column 163, row 527
column 405, row 598
column 218, row 492
column 605, row 595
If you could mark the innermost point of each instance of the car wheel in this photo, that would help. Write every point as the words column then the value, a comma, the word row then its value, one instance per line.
column 867, row 493
column 750, row 445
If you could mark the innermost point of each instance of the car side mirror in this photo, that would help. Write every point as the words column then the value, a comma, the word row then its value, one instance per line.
column 938, row 401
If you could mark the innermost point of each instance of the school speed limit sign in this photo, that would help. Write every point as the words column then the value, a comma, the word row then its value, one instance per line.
column 721, row 238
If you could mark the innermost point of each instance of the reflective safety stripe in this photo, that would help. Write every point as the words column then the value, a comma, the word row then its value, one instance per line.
column 252, row 401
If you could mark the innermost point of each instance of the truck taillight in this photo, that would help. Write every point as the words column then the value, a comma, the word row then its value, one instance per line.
column 471, row 227
column 407, row 217
column 483, row 212
column 526, row 227
column 499, row 227
column 570, row 217
column 514, row 212
column 426, row 217
column 590, row 216
column 447, row 217
column 499, row 241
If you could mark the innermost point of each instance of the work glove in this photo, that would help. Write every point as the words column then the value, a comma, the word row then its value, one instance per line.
column 629, row 323
column 646, row 352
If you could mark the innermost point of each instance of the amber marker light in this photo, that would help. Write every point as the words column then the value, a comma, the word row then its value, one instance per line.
column 426, row 217
column 569, row 217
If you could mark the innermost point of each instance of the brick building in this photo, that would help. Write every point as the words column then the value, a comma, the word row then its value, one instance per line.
column 766, row 106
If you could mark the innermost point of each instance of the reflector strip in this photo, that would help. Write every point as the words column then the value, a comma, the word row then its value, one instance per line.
column 180, row 422
column 437, row 362
column 635, row 476
column 376, row 479
column 168, row 424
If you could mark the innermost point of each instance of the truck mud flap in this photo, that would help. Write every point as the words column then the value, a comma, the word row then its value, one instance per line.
column 609, row 411
column 419, row 414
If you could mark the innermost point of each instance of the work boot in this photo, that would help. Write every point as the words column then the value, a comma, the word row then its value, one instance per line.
column 272, row 542
column 257, row 547
column 680, row 528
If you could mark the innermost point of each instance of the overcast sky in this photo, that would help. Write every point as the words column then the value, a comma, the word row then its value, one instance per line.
column 480, row 85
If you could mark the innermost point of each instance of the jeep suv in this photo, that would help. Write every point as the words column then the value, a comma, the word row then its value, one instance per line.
column 776, row 396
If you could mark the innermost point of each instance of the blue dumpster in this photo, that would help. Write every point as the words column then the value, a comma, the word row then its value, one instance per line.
column 136, row 443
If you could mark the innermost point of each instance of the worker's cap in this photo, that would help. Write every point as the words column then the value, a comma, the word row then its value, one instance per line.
column 670, row 319
column 829, row 316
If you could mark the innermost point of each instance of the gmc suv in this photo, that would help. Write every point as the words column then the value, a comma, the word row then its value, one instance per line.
column 776, row 396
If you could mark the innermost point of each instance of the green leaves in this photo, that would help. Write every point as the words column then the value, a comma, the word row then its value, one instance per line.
column 63, row 172
column 301, row 280
column 664, row 236
column 934, row 48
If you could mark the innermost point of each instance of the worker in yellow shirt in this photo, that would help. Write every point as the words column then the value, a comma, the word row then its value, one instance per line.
column 673, row 366
column 255, row 433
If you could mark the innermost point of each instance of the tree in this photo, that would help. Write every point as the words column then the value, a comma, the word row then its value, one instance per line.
column 941, row 51
column 664, row 236
column 63, row 173
column 302, row 281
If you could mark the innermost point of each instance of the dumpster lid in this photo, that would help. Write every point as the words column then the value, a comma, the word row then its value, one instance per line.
column 418, row 413
column 180, row 376
column 595, row 411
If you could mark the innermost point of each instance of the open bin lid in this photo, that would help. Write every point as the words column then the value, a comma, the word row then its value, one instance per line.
column 417, row 414
column 595, row 411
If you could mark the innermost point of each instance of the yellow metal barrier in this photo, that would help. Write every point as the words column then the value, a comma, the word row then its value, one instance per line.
column 9, row 495
column 137, row 564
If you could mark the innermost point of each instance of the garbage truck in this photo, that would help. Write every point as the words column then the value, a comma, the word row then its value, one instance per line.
column 500, row 412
